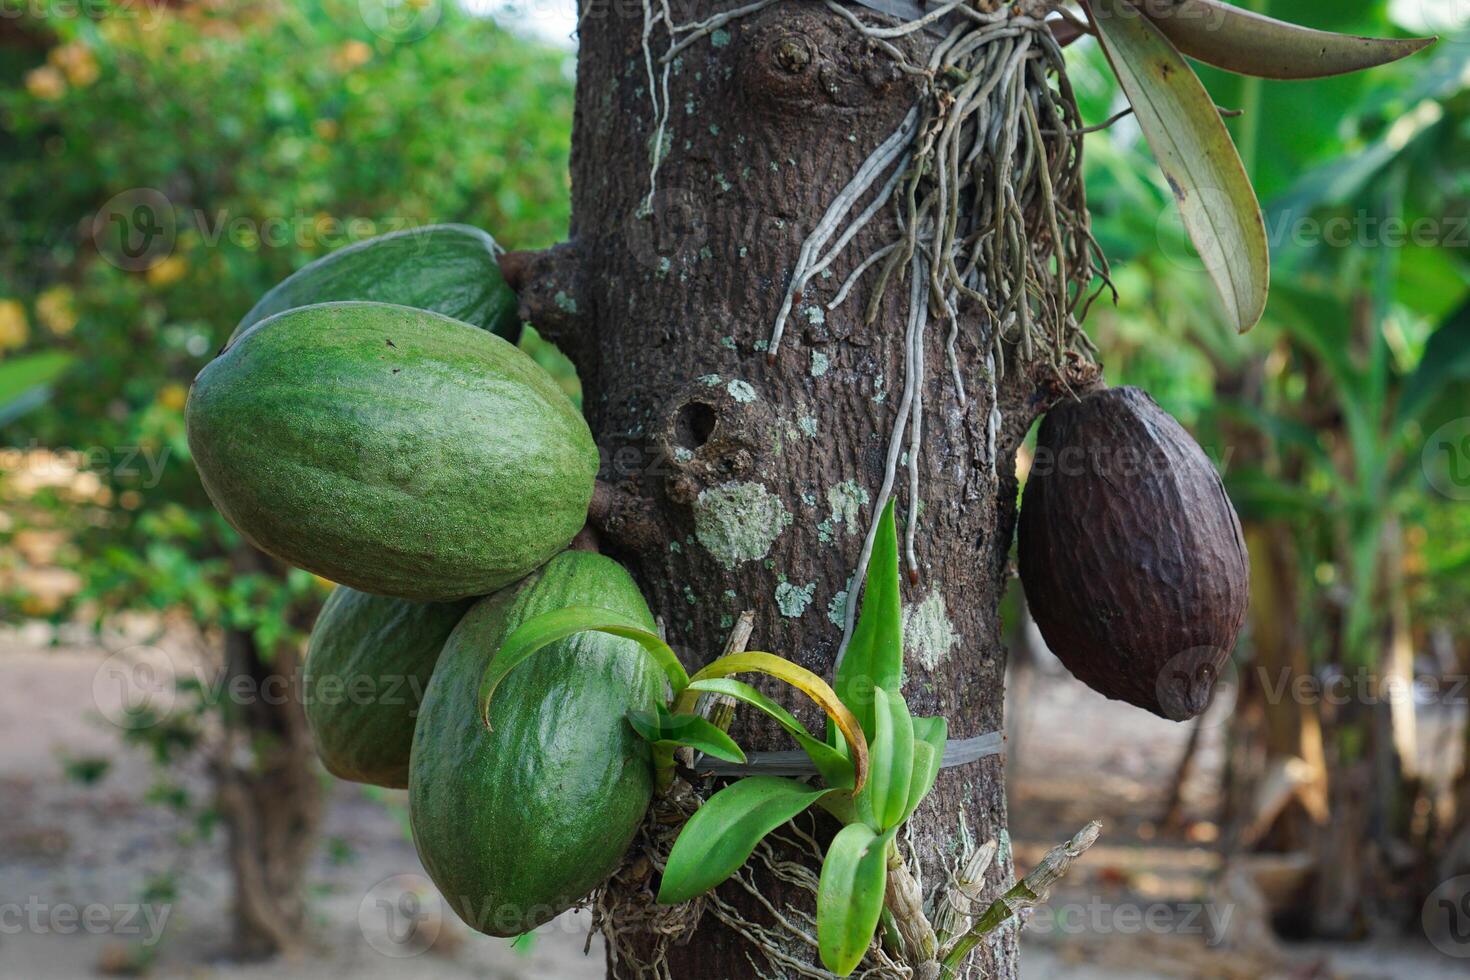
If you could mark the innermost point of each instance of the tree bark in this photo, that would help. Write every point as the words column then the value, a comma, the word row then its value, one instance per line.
column 758, row 477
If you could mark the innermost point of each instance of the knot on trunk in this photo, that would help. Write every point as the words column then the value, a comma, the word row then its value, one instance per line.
column 551, row 288
column 715, row 430
column 806, row 55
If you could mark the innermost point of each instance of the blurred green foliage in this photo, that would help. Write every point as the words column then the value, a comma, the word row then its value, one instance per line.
column 273, row 132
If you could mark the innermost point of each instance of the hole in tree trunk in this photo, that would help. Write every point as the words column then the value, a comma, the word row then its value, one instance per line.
column 694, row 425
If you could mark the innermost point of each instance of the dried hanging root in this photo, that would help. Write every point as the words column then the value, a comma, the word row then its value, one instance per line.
column 787, row 943
column 639, row 932
column 984, row 186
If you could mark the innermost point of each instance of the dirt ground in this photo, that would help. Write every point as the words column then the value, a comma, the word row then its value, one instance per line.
column 75, row 858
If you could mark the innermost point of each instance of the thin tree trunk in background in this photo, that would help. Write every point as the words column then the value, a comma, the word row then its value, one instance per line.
column 1290, row 727
column 759, row 478
column 268, row 791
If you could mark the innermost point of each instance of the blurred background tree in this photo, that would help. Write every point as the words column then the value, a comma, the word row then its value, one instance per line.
column 258, row 135
column 275, row 132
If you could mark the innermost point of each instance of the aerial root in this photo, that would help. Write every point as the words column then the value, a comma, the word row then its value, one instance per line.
column 981, row 183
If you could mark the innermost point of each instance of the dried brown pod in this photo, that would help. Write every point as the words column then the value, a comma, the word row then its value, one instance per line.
column 1131, row 554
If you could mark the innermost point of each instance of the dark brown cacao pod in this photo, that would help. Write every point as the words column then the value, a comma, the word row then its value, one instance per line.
column 1131, row 555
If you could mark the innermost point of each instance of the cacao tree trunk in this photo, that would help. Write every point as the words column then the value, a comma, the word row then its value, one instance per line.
column 744, row 483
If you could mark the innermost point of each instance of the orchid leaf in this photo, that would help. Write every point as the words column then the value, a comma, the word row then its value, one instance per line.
column 929, row 738
column 850, row 896
column 1248, row 43
column 1195, row 152
column 874, row 656
column 541, row 631
column 891, row 756
column 668, row 730
column 803, row 680
column 835, row 768
column 718, row 839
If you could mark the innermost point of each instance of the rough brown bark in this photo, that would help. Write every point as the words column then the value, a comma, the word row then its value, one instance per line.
column 759, row 478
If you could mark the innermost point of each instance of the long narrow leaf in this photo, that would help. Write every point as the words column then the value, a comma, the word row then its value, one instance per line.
column 804, row 681
column 833, row 766
column 1195, row 152
column 874, row 656
column 1248, row 43
column 718, row 839
column 929, row 739
column 850, row 896
column 673, row 731
column 891, row 760
column 541, row 631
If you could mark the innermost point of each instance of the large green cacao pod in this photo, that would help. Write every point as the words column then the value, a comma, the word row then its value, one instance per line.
column 448, row 269
column 517, row 823
column 1131, row 555
column 367, row 667
column 392, row 450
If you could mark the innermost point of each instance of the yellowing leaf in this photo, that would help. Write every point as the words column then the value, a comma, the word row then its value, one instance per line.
column 804, row 681
column 1195, row 152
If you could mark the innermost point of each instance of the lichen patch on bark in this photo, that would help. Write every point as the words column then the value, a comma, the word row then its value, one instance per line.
column 738, row 522
column 792, row 600
column 847, row 500
column 928, row 633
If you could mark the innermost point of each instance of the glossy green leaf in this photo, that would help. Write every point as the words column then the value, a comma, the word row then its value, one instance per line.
column 668, row 730
column 718, row 839
column 1195, row 152
column 891, row 762
column 835, row 768
column 874, row 656
column 1248, row 43
column 850, row 896
column 760, row 662
column 541, row 631
column 929, row 738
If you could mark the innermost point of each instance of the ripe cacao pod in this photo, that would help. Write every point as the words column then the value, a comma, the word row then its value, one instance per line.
column 367, row 667
column 518, row 823
column 1131, row 554
column 392, row 450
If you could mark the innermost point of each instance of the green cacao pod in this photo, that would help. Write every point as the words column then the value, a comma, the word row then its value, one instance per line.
column 1131, row 554
column 367, row 667
column 392, row 450
column 517, row 823
column 448, row 269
